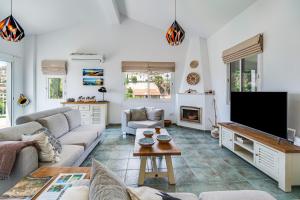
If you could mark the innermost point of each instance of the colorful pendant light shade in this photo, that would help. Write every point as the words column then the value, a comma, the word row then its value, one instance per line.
column 175, row 33
column 10, row 29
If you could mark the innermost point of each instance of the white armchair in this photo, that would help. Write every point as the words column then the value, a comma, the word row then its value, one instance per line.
column 155, row 118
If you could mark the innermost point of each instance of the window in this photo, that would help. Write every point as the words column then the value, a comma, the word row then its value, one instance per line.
column 55, row 88
column 243, row 75
column 152, row 85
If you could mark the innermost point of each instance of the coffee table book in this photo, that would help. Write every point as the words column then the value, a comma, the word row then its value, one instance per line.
column 27, row 188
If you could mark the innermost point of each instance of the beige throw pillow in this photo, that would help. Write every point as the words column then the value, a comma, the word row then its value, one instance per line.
column 47, row 152
column 147, row 193
column 138, row 114
column 105, row 185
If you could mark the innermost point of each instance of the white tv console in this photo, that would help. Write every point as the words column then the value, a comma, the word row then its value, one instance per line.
column 278, row 159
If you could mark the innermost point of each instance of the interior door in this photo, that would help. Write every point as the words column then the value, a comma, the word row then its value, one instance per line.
column 5, row 94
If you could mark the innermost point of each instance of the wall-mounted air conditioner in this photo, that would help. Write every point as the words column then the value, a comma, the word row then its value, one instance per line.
column 87, row 57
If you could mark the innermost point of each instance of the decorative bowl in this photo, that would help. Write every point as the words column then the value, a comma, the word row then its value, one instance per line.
column 148, row 134
column 164, row 138
column 146, row 142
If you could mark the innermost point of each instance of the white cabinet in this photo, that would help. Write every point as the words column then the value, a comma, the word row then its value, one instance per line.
column 227, row 139
column 92, row 113
column 266, row 159
column 279, row 160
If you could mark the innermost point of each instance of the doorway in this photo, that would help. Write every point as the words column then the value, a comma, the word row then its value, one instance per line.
column 5, row 94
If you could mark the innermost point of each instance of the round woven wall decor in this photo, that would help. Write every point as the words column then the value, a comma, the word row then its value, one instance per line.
column 194, row 64
column 193, row 78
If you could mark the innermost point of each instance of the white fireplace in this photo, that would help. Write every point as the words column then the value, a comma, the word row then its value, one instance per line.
column 194, row 111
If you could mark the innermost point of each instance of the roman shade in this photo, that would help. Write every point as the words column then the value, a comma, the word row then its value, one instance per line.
column 141, row 66
column 54, row 67
column 244, row 49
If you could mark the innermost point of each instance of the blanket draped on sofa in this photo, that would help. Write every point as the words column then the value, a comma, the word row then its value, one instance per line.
column 8, row 154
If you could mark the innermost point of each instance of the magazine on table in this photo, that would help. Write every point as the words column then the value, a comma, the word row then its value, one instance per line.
column 56, row 189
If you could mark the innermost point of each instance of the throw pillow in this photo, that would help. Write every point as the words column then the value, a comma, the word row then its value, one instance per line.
column 74, row 118
column 147, row 193
column 155, row 114
column 53, row 141
column 105, row 185
column 76, row 193
column 47, row 151
column 138, row 114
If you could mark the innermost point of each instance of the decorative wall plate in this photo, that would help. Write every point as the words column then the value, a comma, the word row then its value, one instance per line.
column 193, row 78
column 194, row 64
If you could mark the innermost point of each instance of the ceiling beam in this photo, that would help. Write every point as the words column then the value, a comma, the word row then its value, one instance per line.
column 110, row 11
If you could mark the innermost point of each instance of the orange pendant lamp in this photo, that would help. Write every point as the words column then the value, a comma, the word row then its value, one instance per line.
column 175, row 34
column 10, row 29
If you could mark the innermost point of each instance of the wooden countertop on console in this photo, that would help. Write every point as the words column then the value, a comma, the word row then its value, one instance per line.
column 78, row 102
column 284, row 146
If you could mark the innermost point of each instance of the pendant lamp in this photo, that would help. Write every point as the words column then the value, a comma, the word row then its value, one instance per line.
column 10, row 29
column 175, row 33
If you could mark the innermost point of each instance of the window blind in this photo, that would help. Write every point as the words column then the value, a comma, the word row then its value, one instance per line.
column 54, row 67
column 141, row 66
column 244, row 49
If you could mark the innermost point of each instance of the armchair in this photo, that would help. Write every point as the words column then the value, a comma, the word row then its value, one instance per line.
column 155, row 117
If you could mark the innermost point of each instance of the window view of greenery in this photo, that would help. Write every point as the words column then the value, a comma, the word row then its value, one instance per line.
column 243, row 75
column 55, row 88
column 154, row 85
column 3, row 89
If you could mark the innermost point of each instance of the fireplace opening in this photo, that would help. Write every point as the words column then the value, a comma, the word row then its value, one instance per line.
column 191, row 114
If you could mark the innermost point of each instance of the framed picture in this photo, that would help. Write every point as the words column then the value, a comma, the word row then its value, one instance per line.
column 93, row 81
column 93, row 72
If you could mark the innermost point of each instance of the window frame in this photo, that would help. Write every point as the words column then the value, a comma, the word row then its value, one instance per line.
column 172, row 90
column 258, row 76
column 63, row 78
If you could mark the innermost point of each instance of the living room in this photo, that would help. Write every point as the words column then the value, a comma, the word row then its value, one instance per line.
column 100, row 79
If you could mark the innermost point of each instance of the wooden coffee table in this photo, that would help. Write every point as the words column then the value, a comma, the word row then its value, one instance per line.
column 55, row 171
column 157, row 150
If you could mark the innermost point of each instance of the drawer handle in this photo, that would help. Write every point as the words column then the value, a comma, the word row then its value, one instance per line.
column 256, row 155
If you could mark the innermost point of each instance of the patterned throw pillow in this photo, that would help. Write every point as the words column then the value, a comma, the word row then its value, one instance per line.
column 105, row 185
column 47, row 152
column 138, row 114
column 147, row 193
column 55, row 142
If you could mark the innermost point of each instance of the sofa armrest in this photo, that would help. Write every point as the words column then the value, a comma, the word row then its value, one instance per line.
column 26, row 162
column 125, row 118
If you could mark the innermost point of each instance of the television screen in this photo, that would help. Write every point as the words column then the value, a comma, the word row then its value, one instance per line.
column 264, row 111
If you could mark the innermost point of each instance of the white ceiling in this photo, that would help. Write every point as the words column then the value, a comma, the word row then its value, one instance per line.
column 201, row 17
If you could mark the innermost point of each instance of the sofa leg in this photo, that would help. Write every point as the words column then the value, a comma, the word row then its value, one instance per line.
column 124, row 134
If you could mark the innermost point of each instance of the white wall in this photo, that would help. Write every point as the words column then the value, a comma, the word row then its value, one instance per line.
column 14, row 52
column 129, row 41
column 279, row 21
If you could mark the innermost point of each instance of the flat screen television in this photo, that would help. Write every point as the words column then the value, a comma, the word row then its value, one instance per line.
column 264, row 111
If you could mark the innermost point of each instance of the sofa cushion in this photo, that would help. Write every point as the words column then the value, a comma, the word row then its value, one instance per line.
column 69, row 155
column 57, row 124
column 236, row 195
column 154, row 114
column 105, row 184
column 147, row 193
column 74, row 118
column 83, row 135
column 15, row 133
column 138, row 114
column 143, row 124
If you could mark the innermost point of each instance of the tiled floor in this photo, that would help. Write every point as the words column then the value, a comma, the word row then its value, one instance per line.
column 203, row 166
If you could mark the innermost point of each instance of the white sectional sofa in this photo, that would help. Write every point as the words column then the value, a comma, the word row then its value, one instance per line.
column 65, row 124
